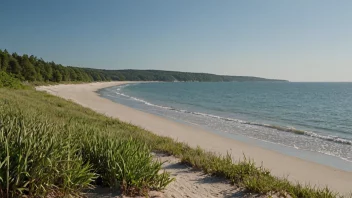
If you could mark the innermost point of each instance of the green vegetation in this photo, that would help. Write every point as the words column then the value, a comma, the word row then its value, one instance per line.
column 33, row 69
column 53, row 148
column 10, row 82
column 50, row 146
column 170, row 76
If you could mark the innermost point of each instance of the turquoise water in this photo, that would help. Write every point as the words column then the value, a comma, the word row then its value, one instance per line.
column 314, row 117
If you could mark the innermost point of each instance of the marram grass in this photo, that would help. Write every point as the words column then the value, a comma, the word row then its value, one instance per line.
column 53, row 147
column 42, row 155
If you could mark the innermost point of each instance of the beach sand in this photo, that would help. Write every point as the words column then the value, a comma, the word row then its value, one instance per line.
column 187, row 183
column 280, row 165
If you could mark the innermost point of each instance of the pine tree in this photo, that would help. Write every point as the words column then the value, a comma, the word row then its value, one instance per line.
column 28, row 70
column 48, row 72
column 39, row 76
column 14, row 68
column 4, row 60
column 73, row 75
column 57, row 76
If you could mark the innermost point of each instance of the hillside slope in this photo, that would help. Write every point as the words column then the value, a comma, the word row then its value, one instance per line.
column 30, row 68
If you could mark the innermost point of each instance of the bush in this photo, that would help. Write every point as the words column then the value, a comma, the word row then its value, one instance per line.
column 8, row 81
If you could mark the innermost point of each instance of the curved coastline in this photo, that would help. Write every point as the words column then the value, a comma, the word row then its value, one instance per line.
column 277, row 127
column 279, row 164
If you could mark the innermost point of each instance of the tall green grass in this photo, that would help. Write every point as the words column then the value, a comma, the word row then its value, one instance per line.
column 42, row 157
column 113, row 153
column 38, row 158
column 124, row 164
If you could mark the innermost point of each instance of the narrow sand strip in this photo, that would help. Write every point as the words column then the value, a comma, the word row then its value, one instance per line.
column 280, row 165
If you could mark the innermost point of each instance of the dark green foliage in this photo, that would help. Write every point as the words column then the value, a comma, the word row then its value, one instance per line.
column 47, row 72
column 4, row 60
column 14, row 68
column 33, row 69
column 9, row 81
column 57, row 76
column 28, row 70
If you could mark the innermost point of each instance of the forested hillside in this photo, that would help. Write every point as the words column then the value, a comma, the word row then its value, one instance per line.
column 31, row 68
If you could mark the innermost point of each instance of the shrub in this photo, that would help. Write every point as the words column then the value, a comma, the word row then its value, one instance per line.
column 8, row 81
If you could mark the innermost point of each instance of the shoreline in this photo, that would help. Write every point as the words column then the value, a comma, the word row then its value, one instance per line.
column 279, row 164
column 320, row 157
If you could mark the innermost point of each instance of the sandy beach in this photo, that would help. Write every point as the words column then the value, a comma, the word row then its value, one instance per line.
column 280, row 165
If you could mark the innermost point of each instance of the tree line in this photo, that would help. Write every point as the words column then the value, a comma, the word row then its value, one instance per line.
column 31, row 68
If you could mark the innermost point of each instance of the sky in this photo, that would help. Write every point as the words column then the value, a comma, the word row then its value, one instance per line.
column 298, row 40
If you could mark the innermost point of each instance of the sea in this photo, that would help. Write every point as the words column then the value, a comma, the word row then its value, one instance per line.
column 312, row 121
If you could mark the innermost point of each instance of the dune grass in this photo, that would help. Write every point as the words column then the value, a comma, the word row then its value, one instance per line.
column 45, row 152
column 79, row 148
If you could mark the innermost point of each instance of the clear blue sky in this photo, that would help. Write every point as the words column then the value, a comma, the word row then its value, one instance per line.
column 298, row 40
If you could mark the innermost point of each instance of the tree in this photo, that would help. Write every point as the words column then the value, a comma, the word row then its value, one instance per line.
column 48, row 72
column 39, row 76
column 57, row 76
column 33, row 60
column 86, row 77
column 15, row 55
column 28, row 70
column 73, row 75
column 65, row 74
column 96, row 77
column 4, row 62
column 14, row 68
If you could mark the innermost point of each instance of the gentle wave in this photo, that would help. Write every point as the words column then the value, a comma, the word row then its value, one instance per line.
column 298, row 148
column 279, row 128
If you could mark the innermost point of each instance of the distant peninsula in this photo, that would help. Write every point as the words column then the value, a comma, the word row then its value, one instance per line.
column 33, row 69
column 170, row 76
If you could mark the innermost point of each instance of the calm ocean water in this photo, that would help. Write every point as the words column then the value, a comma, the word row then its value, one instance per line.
column 314, row 117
